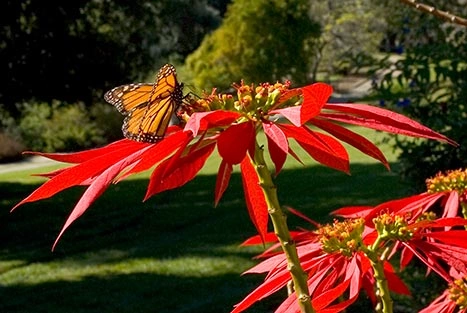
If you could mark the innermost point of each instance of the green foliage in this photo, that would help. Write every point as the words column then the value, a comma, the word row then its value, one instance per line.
column 258, row 41
column 11, row 144
column 430, row 84
column 74, row 50
column 58, row 127
column 351, row 33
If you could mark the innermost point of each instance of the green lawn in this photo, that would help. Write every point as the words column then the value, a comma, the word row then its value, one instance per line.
column 172, row 253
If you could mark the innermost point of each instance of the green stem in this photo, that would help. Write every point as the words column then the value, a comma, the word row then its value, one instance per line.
column 385, row 304
column 278, row 218
column 464, row 211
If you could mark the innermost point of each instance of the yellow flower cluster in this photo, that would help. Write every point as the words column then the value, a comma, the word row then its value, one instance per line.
column 449, row 181
column 343, row 237
column 392, row 227
column 458, row 292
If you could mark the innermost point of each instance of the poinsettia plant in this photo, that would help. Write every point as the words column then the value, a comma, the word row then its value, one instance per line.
column 232, row 124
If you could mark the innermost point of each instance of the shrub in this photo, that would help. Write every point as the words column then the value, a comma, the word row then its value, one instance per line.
column 430, row 84
column 58, row 127
column 11, row 144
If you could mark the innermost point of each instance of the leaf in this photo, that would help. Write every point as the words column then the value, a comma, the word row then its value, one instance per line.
column 183, row 170
column 290, row 113
column 265, row 289
column 222, row 181
column 353, row 139
column 159, row 152
column 452, row 237
column 302, row 216
column 254, row 196
column 278, row 145
column 381, row 119
column 80, row 173
column 315, row 97
column 201, row 121
column 353, row 211
column 83, row 156
column 320, row 147
column 395, row 283
column 96, row 188
column 234, row 142
column 451, row 208
column 258, row 240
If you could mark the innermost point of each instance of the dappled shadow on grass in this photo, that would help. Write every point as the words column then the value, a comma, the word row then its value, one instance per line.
column 178, row 224
column 129, row 293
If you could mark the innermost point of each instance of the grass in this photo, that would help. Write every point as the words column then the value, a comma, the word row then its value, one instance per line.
column 173, row 253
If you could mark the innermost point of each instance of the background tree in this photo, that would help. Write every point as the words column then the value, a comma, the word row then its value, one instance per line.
column 258, row 41
column 429, row 84
column 352, row 31
column 73, row 50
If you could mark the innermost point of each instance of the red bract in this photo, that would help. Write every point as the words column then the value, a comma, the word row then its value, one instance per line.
column 315, row 111
column 445, row 190
column 443, row 304
column 436, row 247
column 330, row 276
column 453, row 299
column 232, row 126
column 98, row 168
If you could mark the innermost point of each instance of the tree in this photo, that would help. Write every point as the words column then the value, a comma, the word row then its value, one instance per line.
column 351, row 33
column 72, row 50
column 258, row 41
column 429, row 83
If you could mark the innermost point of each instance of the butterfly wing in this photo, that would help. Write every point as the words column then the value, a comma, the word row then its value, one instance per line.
column 148, row 107
column 127, row 97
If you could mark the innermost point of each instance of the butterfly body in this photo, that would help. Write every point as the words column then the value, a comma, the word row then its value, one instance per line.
column 148, row 108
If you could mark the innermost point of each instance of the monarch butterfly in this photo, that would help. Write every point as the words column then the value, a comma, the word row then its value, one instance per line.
column 148, row 108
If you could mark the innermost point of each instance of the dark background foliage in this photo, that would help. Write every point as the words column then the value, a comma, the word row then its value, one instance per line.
column 73, row 50
column 429, row 84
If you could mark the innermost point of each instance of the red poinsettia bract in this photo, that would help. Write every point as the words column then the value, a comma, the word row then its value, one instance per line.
column 232, row 126
column 336, row 266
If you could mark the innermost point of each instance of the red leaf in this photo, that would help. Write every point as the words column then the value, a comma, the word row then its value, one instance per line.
column 289, row 94
column 277, row 144
column 315, row 97
column 77, row 174
column 204, row 120
column 406, row 257
column 451, row 208
column 254, row 196
column 82, row 156
column 222, row 181
column 411, row 204
column 290, row 113
column 353, row 139
column 452, row 237
column 234, row 142
column 381, row 119
column 265, row 289
column 159, row 152
column 184, row 170
column 320, row 147
column 96, row 188
column 324, row 299
column 303, row 216
column 353, row 211
column 258, row 240
column 395, row 283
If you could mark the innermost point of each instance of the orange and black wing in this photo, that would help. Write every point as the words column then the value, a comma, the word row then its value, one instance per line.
column 148, row 107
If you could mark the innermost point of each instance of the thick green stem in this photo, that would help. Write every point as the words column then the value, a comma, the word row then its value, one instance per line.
column 385, row 304
column 464, row 211
column 278, row 218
